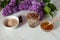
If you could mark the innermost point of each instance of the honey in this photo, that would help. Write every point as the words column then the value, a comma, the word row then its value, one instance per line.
column 45, row 26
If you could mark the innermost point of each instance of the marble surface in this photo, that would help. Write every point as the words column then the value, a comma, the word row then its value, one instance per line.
column 24, row 32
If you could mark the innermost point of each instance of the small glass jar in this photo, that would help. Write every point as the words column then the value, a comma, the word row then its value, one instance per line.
column 33, row 19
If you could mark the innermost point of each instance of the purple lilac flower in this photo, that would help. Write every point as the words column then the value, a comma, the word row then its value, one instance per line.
column 7, row 11
column 15, row 9
column 24, row 5
column 10, row 9
column 4, row 12
column 12, row 4
column 13, row 1
column 35, row 7
column 42, row 4
column 31, row 5
column 29, row 0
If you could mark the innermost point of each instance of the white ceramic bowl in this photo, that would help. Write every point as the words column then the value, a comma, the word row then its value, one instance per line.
column 11, row 17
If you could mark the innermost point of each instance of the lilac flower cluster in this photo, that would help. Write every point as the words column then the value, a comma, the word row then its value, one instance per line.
column 10, row 8
column 31, row 5
column 24, row 5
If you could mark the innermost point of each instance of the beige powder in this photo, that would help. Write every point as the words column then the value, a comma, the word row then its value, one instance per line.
column 11, row 22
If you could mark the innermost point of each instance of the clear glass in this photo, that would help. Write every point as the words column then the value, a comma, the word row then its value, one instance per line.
column 33, row 23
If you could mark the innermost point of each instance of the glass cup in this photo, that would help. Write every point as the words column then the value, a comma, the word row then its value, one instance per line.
column 33, row 19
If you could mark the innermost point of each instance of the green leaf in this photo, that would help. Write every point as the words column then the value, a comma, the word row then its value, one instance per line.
column 48, row 11
column 0, row 8
column 46, row 1
column 51, row 15
column 52, row 6
column 4, row 3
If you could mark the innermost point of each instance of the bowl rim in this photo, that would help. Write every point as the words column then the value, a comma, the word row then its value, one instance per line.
column 11, row 17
